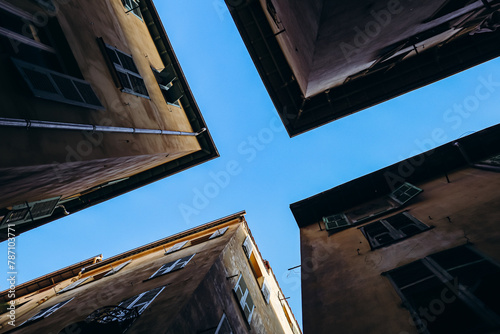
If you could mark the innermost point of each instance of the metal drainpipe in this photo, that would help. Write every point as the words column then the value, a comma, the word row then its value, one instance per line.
column 475, row 165
column 21, row 123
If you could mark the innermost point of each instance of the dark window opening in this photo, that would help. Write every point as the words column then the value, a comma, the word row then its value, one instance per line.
column 392, row 229
column 456, row 288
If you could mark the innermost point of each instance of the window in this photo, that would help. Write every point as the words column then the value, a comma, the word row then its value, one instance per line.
column 127, row 73
column 46, row 312
column 55, row 86
column 265, row 291
column 218, row 233
column 392, row 229
column 224, row 327
column 176, row 247
column 74, row 285
column 405, row 193
column 141, row 301
column 133, row 6
column 243, row 295
column 248, row 246
column 335, row 222
column 172, row 266
column 170, row 85
column 118, row 268
column 23, row 213
column 455, row 291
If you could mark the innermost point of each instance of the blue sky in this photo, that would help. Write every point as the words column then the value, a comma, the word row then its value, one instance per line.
column 261, row 170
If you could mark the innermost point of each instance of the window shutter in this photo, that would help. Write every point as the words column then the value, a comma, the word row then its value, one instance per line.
column 247, row 246
column 172, row 266
column 405, row 193
column 118, row 268
column 142, row 301
column 167, row 75
column 265, row 292
column 74, row 284
column 39, row 209
column 224, row 326
column 176, row 247
column 181, row 263
column 48, row 311
column 174, row 92
column 243, row 295
column 51, row 85
column 218, row 233
column 336, row 221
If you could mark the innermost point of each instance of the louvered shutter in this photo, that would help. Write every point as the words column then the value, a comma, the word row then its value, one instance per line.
column 141, row 302
column 247, row 246
column 176, row 247
column 265, row 292
column 218, row 233
column 74, row 284
column 118, row 268
column 51, row 85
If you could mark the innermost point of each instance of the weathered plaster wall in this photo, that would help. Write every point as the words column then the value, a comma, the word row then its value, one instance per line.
column 23, row 149
column 344, row 292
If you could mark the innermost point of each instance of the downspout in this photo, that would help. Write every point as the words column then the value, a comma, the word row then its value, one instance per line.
column 475, row 165
column 21, row 123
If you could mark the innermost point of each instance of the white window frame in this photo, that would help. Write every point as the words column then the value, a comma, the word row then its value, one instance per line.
column 221, row 323
column 117, row 269
column 176, row 247
column 245, row 297
column 144, row 305
column 218, row 233
column 266, row 292
column 248, row 246
column 75, row 284
column 44, row 313
column 172, row 266
column 342, row 217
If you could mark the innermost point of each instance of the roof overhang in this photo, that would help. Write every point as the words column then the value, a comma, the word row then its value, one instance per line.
column 384, row 79
column 435, row 163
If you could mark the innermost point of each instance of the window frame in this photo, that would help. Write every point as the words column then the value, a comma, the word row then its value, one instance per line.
column 120, row 68
column 245, row 296
column 172, row 266
column 396, row 234
column 74, row 285
column 118, row 268
column 221, row 322
column 461, row 293
column 128, row 5
column 46, row 312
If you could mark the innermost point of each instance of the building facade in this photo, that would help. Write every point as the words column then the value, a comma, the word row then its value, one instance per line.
column 93, row 104
column 210, row 279
column 411, row 248
column 323, row 60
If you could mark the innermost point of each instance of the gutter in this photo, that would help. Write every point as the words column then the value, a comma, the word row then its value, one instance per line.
column 21, row 123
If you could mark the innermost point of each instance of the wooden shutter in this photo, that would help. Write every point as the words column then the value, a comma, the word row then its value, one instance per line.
column 218, row 233
column 51, row 85
column 117, row 268
column 74, row 284
column 176, row 247
column 247, row 246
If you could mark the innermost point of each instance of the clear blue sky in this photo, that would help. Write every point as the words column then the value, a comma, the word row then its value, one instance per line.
column 269, row 170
